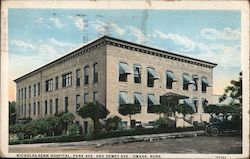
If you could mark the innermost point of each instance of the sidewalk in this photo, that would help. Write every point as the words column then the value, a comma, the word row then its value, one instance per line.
column 116, row 140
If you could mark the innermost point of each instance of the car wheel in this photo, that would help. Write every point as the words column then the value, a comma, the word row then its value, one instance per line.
column 214, row 131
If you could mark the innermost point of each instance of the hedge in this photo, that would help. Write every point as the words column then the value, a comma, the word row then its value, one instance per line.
column 130, row 132
column 50, row 139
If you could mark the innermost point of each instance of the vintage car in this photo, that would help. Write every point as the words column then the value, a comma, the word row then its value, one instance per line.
column 224, row 124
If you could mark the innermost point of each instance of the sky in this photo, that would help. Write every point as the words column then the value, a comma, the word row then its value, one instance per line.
column 39, row 36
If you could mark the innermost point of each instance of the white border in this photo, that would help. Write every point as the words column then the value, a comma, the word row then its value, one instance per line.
column 147, row 4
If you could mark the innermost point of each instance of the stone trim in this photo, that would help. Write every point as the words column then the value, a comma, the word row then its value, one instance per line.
column 122, row 44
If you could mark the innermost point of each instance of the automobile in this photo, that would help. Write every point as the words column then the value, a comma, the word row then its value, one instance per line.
column 224, row 124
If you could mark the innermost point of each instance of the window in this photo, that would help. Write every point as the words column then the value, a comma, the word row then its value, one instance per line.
column 86, row 75
column 85, row 124
column 22, row 94
column 34, row 90
column 78, row 98
column 56, row 105
column 170, row 77
column 95, row 96
column 204, row 84
column 56, row 80
column 123, row 72
column 46, row 107
column 123, row 98
column 29, row 111
column 152, row 100
column 38, row 88
column 195, row 102
column 24, row 110
column 49, row 85
column 137, row 98
column 187, row 80
column 190, row 104
column 25, row 93
column 50, row 107
column 78, row 78
column 66, row 104
column 67, row 80
column 195, row 79
column 38, row 108
column 85, row 98
column 137, row 74
column 95, row 73
column 34, row 108
column 19, row 94
column 151, row 77
column 29, row 91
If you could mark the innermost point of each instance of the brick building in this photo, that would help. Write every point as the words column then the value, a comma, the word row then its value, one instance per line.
column 112, row 72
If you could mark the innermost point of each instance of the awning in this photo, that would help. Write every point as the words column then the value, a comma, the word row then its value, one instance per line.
column 171, row 76
column 152, row 99
column 151, row 71
column 138, row 97
column 123, row 68
column 205, row 81
column 123, row 98
column 195, row 77
column 188, row 103
column 187, row 79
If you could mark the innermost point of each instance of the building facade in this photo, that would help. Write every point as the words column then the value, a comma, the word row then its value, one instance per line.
column 113, row 72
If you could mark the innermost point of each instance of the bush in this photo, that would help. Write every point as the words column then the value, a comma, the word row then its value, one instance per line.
column 161, row 123
column 112, row 123
column 48, row 140
column 111, row 134
column 73, row 129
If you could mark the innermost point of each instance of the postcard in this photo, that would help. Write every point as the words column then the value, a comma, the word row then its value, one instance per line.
column 124, row 79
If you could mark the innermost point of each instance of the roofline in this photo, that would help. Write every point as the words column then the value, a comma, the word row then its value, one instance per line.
column 163, row 51
column 107, row 38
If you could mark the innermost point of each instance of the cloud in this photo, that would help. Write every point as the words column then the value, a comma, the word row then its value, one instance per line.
column 22, row 44
column 57, row 23
column 39, row 20
column 51, row 46
column 107, row 28
column 224, row 55
column 183, row 41
column 225, row 34
column 78, row 21
column 138, row 34
column 116, row 28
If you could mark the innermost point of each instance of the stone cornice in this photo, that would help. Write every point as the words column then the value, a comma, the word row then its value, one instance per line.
column 106, row 40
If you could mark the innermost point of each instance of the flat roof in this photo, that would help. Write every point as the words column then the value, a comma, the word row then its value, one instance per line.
column 112, row 39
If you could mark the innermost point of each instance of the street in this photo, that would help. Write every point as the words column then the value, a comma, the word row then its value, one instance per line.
column 201, row 145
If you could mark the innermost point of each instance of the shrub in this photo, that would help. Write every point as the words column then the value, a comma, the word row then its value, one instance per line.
column 161, row 123
column 73, row 129
column 112, row 123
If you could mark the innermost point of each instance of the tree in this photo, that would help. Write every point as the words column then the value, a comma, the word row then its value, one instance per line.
column 158, row 109
column 129, row 109
column 53, row 123
column 95, row 111
column 184, row 109
column 12, row 113
column 65, row 119
column 73, row 129
column 212, row 109
column 234, row 90
column 112, row 123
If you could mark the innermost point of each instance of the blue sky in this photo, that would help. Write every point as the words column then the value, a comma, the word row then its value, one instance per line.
column 38, row 36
